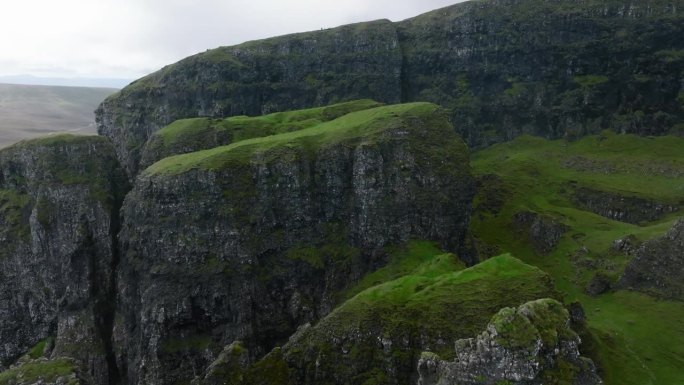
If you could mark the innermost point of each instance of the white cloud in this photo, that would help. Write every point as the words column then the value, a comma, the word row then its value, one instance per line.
column 129, row 38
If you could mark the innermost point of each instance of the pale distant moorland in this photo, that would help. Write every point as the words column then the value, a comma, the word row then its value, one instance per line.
column 28, row 111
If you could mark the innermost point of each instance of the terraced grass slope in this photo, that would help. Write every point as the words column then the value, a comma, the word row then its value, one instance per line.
column 189, row 135
column 367, row 125
column 635, row 338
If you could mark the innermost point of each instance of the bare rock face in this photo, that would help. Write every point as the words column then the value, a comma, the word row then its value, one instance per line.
column 658, row 266
column 527, row 345
column 622, row 208
column 247, row 242
column 59, row 200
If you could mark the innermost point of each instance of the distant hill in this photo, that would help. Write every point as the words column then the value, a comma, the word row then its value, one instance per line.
column 27, row 111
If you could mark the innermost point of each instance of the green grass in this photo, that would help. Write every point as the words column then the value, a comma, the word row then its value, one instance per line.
column 367, row 125
column 45, row 371
column 38, row 350
column 440, row 298
column 245, row 127
column 638, row 338
column 427, row 298
column 190, row 135
column 414, row 255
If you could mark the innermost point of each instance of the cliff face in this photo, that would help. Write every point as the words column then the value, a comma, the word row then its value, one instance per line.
column 248, row 241
column 503, row 67
column 59, row 200
column 289, row 72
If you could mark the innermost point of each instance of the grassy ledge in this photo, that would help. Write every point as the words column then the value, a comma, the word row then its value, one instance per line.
column 245, row 127
column 367, row 125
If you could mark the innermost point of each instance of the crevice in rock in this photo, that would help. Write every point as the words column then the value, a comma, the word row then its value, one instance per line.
column 106, row 310
column 404, row 83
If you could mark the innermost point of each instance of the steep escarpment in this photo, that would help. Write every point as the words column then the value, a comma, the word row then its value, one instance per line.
column 502, row 67
column 289, row 72
column 548, row 68
column 248, row 241
column 59, row 200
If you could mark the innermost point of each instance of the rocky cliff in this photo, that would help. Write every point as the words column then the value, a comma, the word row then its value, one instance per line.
column 248, row 241
column 59, row 200
column 503, row 68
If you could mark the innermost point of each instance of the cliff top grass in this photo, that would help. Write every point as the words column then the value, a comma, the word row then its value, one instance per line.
column 441, row 298
column 366, row 124
column 196, row 134
column 639, row 339
column 247, row 127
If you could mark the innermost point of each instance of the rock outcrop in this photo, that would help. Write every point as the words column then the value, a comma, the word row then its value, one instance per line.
column 658, row 266
column 248, row 241
column 543, row 232
column 503, row 67
column 629, row 209
column 530, row 345
column 59, row 201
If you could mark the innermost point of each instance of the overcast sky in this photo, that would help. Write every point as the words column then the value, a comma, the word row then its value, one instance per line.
column 130, row 38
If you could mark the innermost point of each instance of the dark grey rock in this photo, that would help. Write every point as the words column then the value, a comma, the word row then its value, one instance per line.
column 658, row 266
column 543, row 232
column 621, row 208
column 520, row 346
column 59, row 200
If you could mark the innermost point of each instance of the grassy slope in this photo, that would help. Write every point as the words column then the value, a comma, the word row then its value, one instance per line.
column 246, row 127
column 640, row 339
column 365, row 124
column 422, row 295
column 30, row 111
column 195, row 134
column 440, row 297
